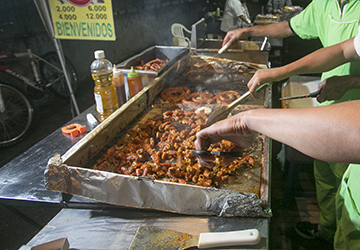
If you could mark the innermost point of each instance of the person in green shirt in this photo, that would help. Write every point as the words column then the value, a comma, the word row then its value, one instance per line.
column 312, row 131
column 332, row 22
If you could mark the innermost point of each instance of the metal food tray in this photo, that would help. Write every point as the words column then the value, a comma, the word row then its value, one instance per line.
column 240, row 50
column 264, row 20
column 171, row 53
column 246, row 196
column 244, row 51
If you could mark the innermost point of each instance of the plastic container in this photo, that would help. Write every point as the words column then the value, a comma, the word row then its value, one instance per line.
column 134, row 82
column 104, row 90
column 218, row 12
column 118, row 82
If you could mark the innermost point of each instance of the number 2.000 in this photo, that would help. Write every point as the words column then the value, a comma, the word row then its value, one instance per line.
column 65, row 8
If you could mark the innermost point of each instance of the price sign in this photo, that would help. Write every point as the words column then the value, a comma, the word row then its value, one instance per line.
column 82, row 19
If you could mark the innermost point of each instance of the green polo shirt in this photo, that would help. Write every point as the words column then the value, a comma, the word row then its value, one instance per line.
column 347, row 236
column 331, row 24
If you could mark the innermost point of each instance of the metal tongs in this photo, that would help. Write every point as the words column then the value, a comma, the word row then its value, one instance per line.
column 311, row 95
column 217, row 153
column 224, row 111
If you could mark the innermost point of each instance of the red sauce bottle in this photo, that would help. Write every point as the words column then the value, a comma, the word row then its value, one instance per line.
column 118, row 82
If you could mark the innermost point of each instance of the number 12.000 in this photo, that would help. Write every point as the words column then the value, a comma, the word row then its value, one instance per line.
column 96, row 16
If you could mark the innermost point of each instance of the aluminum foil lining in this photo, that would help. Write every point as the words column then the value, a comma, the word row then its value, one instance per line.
column 203, row 63
column 199, row 73
column 146, row 193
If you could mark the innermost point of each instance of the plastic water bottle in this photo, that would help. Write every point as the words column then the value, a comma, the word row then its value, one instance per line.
column 104, row 90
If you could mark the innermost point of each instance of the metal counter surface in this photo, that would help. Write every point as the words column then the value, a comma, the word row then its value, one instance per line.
column 115, row 229
column 22, row 179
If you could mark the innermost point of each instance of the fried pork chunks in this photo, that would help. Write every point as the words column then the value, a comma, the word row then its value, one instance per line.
column 160, row 149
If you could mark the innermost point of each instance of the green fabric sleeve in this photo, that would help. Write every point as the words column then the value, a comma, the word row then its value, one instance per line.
column 304, row 24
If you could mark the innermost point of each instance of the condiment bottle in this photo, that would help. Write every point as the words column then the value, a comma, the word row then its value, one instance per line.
column 134, row 82
column 218, row 12
column 118, row 82
column 104, row 90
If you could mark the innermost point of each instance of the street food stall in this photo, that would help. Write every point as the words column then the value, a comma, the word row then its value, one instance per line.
column 118, row 201
column 164, row 108
column 241, row 202
column 146, row 145
column 160, row 124
column 138, row 169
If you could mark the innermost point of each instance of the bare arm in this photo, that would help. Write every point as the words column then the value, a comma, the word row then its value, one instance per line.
column 276, row 30
column 329, row 133
column 319, row 61
column 323, row 59
column 244, row 19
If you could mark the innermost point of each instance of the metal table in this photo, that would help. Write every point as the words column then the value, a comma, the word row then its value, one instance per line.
column 115, row 228
column 99, row 226
column 22, row 179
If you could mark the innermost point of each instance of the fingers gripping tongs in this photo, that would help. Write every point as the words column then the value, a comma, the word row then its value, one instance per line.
column 311, row 95
column 216, row 153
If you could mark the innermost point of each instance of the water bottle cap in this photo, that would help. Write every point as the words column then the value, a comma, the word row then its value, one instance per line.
column 132, row 73
column 99, row 54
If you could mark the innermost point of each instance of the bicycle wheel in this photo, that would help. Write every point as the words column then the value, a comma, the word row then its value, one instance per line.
column 16, row 115
column 58, row 85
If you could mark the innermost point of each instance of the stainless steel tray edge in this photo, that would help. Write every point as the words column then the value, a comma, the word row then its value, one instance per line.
column 144, row 193
column 114, row 124
column 66, row 174
column 182, row 51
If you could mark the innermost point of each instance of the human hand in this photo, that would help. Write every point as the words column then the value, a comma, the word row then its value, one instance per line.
column 335, row 87
column 233, row 129
column 262, row 76
column 232, row 36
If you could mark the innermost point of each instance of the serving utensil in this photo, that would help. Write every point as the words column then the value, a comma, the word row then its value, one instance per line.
column 310, row 95
column 223, row 49
column 158, row 238
column 263, row 44
column 224, row 111
column 217, row 153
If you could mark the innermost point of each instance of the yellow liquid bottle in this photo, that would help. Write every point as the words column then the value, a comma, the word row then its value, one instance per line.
column 104, row 90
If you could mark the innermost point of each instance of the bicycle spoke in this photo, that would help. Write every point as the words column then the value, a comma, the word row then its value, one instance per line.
column 16, row 115
column 56, row 80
